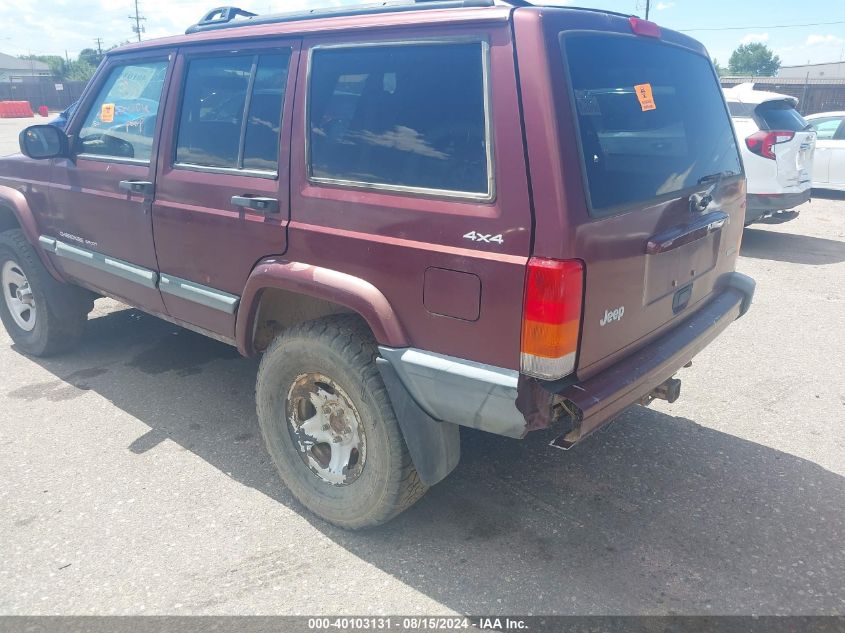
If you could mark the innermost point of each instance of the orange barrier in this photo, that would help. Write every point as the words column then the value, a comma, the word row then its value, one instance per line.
column 15, row 109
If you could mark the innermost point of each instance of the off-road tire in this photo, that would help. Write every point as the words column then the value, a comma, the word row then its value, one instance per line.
column 340, row 348
column 61, row 309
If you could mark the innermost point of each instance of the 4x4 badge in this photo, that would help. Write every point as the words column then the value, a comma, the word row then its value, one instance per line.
column 484, row 237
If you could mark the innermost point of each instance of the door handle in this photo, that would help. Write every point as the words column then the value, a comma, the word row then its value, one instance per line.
column 699, row 228
column 136, row 186
column 256, row 203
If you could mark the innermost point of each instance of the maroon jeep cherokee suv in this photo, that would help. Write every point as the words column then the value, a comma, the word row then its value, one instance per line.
column 423, row 216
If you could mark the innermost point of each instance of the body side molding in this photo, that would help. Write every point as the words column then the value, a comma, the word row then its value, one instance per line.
column 105, row 263
column 182, row 288
column 204, row 295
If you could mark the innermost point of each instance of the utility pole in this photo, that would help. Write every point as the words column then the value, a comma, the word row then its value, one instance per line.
column 99, row 46
column 137, row 18
column 647, row 7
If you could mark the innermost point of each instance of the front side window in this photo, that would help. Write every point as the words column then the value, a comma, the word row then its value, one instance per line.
column 405, row 117
column 232, row 110
column 122, row 120
column 651, row 118
column 826, row 128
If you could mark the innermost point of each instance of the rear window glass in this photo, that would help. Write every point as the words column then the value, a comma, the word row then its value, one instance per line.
column 780, row 115
column 651, row 118
column 402, row 117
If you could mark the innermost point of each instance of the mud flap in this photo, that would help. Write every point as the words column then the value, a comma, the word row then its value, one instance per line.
column 435, row 446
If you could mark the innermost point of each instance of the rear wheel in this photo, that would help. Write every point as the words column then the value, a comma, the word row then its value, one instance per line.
column 41, row 315
column 329, row 425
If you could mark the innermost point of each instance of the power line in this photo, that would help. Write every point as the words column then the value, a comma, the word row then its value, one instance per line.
column 773, row 26
column 137, row 18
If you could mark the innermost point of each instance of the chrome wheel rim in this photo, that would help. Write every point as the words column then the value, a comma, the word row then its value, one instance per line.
column 326, row 429
column 18, row 296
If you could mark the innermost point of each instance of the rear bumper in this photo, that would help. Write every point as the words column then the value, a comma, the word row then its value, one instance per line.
column 760, row 205
column 484, row 397
column 602, row 397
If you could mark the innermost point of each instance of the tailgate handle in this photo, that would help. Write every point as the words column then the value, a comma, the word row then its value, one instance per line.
column 256, row 203
column 678, row 236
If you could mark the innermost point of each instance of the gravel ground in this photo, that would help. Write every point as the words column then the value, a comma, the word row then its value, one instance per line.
column 136, row 481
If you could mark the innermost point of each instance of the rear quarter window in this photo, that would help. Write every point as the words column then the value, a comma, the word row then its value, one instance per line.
column 741, row 110
column 651, row 118
column 405, row 117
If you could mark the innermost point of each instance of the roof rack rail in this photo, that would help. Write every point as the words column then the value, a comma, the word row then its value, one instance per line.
column 225, row 17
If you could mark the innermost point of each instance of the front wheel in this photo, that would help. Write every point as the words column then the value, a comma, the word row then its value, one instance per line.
column 329, row 426
column 41, row 315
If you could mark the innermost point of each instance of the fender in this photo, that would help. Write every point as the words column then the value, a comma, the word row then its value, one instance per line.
column 16, row 201
column 352, row 292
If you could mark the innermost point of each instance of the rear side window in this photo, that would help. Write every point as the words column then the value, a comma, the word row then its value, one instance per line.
column 738, row 109
column 121, row 122
column 401, row 117
column 779, row 115
column 651, row 118
column 232, row 110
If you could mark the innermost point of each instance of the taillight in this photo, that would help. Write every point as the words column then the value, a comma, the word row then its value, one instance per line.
column 644, row 27
column 763, row 142
column 551, row 317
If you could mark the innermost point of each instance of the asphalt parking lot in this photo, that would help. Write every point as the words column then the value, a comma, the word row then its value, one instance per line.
column 135, row 480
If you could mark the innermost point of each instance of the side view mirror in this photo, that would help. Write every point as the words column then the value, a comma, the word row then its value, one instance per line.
column 44, row 141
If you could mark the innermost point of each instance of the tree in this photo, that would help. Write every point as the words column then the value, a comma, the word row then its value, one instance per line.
column 754, row 59
column 90, row 57
column 79, row 70
column 719, row 70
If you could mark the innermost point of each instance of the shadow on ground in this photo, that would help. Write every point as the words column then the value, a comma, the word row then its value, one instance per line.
column 655, row 514
column 792, row 248
column 829, row 194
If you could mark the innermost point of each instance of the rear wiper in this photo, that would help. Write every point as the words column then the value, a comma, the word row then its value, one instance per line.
column 717, row 176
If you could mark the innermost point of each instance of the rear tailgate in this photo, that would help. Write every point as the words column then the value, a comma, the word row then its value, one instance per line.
column 664, row 183
column 794, row 155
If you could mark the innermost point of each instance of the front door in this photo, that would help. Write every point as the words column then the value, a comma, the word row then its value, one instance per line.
column 99, row 228
column 829, row 161
column 221, row 200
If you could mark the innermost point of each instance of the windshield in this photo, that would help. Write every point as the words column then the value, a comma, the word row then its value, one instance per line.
column 651, row 118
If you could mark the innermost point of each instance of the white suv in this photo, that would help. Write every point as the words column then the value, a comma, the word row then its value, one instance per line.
column 777, row 149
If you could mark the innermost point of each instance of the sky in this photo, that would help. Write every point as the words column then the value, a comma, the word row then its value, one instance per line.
column 53, row 27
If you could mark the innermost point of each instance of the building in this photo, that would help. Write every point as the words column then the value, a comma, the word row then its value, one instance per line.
column 14, row 70
column 825, row 94
column 831, row 70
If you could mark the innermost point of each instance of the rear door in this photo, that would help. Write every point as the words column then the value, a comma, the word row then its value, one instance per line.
column 836, row 173
column 794, row 154
column 664, row 187
column 222, row 190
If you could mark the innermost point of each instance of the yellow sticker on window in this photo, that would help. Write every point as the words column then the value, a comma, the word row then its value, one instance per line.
column 645, row 97
column 107, row 113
